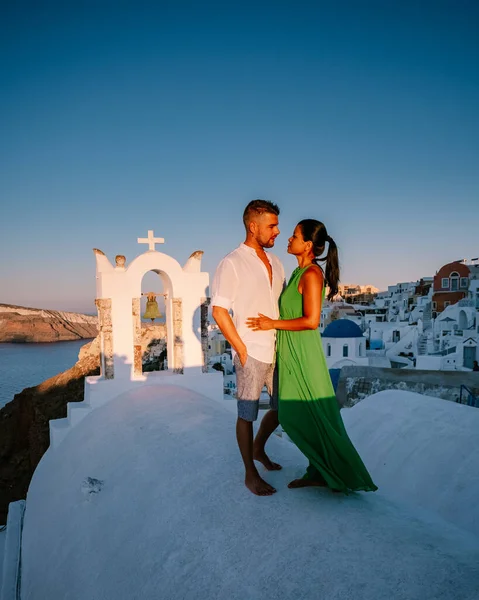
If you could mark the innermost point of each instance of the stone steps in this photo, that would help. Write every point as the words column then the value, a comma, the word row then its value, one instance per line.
column 422, row 344
column 59, row 428
column 77, row 411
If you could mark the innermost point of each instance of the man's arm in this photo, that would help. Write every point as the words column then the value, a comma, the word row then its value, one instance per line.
column 224, row 288
column 225, row 323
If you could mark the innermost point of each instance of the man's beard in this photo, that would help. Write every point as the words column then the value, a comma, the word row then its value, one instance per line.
column 268, row 244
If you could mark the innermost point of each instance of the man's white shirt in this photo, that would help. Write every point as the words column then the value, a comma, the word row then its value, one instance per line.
column 241, row 284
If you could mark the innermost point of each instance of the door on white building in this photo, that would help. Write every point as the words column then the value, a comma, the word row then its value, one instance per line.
column 469, row 357
column 454, row 282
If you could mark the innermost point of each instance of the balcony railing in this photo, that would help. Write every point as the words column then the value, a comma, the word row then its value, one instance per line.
column 466, row 396
column 466, row 302
column 444, row 351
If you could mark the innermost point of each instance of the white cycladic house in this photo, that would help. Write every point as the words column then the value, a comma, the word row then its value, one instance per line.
column 224, row 360
column 454, row 338
column 344, row 344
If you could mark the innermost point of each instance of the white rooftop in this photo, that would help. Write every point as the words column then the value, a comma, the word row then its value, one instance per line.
column 144, row 499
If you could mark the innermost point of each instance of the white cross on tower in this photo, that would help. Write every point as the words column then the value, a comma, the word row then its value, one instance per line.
column 151, row 240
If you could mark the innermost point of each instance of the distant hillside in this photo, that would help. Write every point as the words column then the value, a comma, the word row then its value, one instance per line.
column 22, row 324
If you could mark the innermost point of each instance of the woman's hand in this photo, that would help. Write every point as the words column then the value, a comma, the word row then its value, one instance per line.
column 260, row 323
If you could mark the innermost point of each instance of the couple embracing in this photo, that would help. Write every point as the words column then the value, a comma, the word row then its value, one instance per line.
column 275, row 341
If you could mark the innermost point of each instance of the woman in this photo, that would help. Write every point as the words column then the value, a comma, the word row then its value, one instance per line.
column 308, row 409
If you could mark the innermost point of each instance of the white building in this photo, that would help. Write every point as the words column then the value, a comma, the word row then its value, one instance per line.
column 404, row 301
column 453, row 338
column 473, row 293
column 217, row 343
column 224, row 360
column 230, row 384
column 400, row 299
column 344, row 344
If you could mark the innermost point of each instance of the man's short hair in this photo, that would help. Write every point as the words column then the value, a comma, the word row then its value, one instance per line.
column 259, row 207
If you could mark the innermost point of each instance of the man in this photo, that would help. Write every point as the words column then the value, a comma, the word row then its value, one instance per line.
column 249, row 281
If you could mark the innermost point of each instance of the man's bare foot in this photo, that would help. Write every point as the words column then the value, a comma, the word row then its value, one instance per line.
column 301, row 483
column 264, row 459
column 258, row 486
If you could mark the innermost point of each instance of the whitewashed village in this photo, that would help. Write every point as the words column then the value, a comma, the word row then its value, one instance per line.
column 431, row 324
column 427, row 325
column 139, row 494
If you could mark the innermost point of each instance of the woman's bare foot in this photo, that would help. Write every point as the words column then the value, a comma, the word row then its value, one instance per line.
column 264, row 459
column 301, row 483
column 258, row 486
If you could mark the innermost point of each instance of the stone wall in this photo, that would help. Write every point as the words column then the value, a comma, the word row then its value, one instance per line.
column 356, row 383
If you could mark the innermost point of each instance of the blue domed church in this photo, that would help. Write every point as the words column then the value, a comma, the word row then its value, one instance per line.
column 344, row 344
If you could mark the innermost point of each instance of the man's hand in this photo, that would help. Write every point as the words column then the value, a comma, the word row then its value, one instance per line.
column 242, row 355
column 224, row 322
column 260, row 323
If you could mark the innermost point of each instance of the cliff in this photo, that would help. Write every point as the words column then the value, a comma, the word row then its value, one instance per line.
column 22, row 324
column 24, row 430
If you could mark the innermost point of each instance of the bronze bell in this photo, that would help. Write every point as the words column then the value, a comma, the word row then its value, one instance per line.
column 152, row 311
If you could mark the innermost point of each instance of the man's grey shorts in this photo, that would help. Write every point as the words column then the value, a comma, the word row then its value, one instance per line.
column 250, row 380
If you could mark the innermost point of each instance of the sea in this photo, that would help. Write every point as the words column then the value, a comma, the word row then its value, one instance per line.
column 26, row 365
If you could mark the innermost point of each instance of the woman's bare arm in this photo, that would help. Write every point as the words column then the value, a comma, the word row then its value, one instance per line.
column 311, row 286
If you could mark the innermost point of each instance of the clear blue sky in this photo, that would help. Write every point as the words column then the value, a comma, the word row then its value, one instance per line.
column 120, row 117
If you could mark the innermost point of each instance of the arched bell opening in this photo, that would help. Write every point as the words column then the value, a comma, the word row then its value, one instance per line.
column 153, row 332
column 153, row 323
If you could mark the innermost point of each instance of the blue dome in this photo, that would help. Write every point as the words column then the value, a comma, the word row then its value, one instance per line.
column 342, row 328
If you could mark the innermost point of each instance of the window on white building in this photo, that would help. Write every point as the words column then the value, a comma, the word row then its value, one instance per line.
column 454, row 281
column 345, row 350
column 328, row 349
column 445, row 283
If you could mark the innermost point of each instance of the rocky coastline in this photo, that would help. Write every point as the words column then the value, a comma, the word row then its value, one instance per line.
column 20, row 324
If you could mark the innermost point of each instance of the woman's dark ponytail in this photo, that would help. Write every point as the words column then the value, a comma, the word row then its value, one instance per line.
column 332, row 268
column 315, row 232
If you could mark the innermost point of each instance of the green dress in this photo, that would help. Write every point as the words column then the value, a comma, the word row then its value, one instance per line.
column 308, row 409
